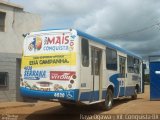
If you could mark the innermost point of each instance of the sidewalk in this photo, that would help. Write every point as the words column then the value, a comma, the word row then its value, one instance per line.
column 4, row 105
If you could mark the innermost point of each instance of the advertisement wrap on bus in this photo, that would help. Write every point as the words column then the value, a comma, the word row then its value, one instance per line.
column 49, row 64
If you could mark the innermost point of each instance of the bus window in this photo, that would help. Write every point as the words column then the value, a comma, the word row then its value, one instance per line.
column 130, row 64
column 96, row 55
column 85, row 52
column 97, row 61
column 111, row 59
column 136, row 65
column 122, row 66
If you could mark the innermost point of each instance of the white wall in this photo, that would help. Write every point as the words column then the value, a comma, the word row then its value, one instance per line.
column 17, row 23
column 11, row 41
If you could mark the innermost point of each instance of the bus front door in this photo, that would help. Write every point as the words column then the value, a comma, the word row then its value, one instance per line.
column 96, row 58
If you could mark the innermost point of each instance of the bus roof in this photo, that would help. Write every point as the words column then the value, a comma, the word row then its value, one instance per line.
column 102, row 41
column 105, row 42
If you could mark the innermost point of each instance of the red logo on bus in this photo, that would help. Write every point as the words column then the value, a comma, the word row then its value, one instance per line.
column 62, row 75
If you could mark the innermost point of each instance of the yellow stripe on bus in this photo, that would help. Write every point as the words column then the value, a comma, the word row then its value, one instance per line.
column 55, row 59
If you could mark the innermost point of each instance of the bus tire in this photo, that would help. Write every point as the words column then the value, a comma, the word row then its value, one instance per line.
column 134, row 97
column 107, row 105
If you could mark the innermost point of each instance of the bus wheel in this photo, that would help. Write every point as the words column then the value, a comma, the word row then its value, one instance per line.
column 107, row 105
column 135, row 94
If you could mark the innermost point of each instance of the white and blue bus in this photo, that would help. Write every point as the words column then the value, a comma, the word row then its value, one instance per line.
column 73, row 67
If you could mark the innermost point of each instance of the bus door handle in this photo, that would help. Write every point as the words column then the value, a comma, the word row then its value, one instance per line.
column 126, row 75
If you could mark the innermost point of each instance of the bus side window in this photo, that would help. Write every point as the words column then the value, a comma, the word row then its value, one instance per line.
column 85, row 52
column 133, row 64
column 111, row 59
column 136, row 65
column 130, row 64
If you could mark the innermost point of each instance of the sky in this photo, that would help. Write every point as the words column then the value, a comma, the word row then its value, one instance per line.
column 130, row 24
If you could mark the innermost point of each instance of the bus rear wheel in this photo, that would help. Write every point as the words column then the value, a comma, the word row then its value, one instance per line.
column 107, row 105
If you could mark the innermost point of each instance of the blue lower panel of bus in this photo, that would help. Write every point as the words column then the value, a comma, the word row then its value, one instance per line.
column 65, row 94
column 129, row 91
column 71, row 94
column 94, row 96
column 89, row 96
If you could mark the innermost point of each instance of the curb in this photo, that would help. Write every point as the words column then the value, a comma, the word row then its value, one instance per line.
column 17, row 106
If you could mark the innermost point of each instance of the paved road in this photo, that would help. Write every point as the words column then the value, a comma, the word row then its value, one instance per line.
column 53, row 110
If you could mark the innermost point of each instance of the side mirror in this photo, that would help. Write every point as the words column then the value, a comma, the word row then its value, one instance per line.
column 24, row 35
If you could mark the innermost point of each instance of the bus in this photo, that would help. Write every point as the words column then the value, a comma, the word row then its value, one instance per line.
column 73, row 67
